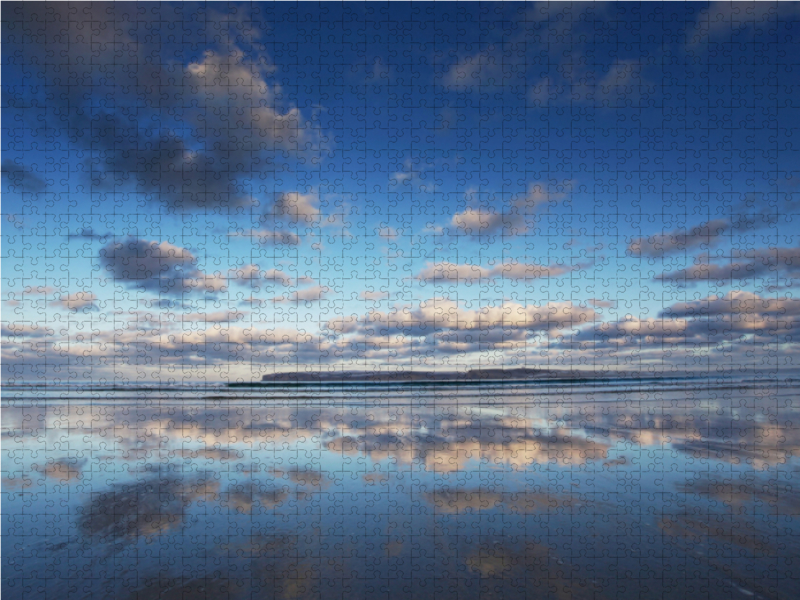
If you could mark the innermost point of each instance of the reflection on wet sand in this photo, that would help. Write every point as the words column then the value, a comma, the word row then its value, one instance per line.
column 65, row 469
column 243, row 497
column 146, row 508
column 746, row 490
column 210, row 587
column 304, row 477
column 534, row 566
column 441, row 500
column 455, row 451
column 703, row 530
column 457, row 501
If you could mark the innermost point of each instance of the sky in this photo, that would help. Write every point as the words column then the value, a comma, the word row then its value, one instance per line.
column 225, row 190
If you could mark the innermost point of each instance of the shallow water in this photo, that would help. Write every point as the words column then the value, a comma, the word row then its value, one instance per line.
column 612, row 489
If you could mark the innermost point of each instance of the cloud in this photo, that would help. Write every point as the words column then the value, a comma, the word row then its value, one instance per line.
column 737, row 266
column 388, row 233
column 679, row 239
column 87, row 233
column 599, row 303
column 43, row 290
column 156, row 266
column 77, row 301
column 736, row 321
column 21, row 178
column 188, row 134
column 448, row 328
column 735, row 302
column 621, row 83
column 546, row 91
column 254, row 275
column 220, row 316
column 312, row 294
column 269, row 237
column 726, row 18
column 26, row 330
column 446, row 271
column 632, row 331
column 133, row 350
column 295, row 208
column 509, row 217
column 373, row 296
column 483, row 71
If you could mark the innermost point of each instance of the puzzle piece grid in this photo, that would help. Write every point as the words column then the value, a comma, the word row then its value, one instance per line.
column 460, row 300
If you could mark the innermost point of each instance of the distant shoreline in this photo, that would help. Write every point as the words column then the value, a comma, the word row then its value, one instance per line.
column 450, row 378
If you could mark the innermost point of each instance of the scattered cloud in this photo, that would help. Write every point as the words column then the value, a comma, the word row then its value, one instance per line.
column 294, row 208
column 27, row 330
column 737, row 265
column 448, row 328
column 726, row 18
column 87, row 233
column 312, row 294
column 21, row 178
column 736, row 302
column 680, row 239
column 734, row 321
column 374, row 296
column 269, row 237
column 388, row 233
column 181, row 162
column 220, row 316
column 508, row 217
column 157, row 266
column 493, row 67
column 77, row 301
column 446, row 271
column 253, row 275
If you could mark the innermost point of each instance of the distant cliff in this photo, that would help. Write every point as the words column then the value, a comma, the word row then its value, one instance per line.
column 472, row 375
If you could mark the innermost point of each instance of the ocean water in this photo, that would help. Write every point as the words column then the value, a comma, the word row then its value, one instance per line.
column 682, row 488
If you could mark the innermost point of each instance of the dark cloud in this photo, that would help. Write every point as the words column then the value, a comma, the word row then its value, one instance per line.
column 680, row 239
column 448, row 328
column 156, row 266
column 26, row 330
column 738, row 265
column 188, row 130
column 21, row 178
column 721, row 20
column 87, row 233
column 716, row 322
column 269, row 237
column 126, row 512
column 735, row 303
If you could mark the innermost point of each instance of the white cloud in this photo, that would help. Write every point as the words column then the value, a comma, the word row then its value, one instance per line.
column 294, row 207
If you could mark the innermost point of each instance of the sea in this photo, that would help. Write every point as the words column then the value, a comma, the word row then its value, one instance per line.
column 622, row 488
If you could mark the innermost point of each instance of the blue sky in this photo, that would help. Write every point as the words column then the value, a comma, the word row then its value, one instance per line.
column 224, row 190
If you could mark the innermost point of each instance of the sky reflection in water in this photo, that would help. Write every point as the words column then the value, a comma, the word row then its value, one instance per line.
column 615, row 490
